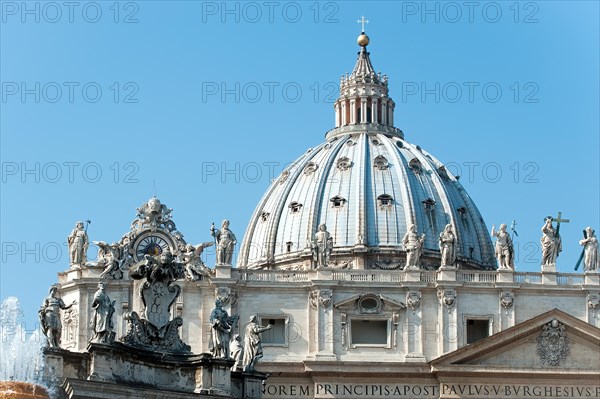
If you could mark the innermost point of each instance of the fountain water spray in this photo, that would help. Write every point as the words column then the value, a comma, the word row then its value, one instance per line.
column 20, row 350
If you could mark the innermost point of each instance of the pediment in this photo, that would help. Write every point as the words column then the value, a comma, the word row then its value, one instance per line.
column 360, row 301
column 553, row 339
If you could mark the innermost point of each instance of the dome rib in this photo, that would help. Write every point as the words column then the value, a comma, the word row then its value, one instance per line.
column 315, row 217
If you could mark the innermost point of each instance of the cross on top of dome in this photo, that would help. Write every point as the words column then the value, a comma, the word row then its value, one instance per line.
column 363, row 40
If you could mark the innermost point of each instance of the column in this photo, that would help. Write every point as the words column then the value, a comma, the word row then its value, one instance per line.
column 363, row 110
column 344, row 111
column 384, row 111
column 374, row 112
column 353, row 111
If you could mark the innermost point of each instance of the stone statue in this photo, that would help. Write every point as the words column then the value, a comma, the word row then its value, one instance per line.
column 551, row 243
column 153, row 214
column 194, row 267
column 237, row 351
column 253, row 344
column 505, row 251
column 591, row 260
column 322, row 246
column 447, row 244
column 78, row 245
column 102, row 323
column 49, row 314
column 156, row 329
column 221, row 330
column 225, row 240
column 110, row 257
column 413, row 244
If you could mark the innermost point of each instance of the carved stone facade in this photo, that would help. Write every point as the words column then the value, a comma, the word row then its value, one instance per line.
column 337, row 313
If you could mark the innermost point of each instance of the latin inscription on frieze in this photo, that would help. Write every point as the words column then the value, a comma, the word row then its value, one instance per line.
column 427, row 391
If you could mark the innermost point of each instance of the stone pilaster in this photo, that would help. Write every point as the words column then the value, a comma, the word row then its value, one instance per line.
column 448, row 319
column 414, row 321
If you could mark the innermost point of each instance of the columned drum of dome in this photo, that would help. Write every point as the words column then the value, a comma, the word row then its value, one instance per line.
column 367, row 184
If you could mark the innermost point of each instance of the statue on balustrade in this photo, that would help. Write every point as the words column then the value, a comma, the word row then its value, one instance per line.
column 550, row 242
column 237, row 352
column 102, row 319
column 322, row 246
column 49, row 315
column 78, row 245
column 110, row 257
column 253, row 344
column 505, row 251
column 195, row 269
column 413, row 244
column 225, row 240
column 222, row 324
column 447, row 244
column 591, row 260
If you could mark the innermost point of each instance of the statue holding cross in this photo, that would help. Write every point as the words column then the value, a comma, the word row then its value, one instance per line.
column 550, row 241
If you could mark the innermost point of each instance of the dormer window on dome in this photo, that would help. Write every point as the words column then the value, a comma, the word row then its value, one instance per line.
column 310, row 168
column 264, row 216
column 380, row 162
column 415, row 165
column 385, row 200
column 443, row 173
column 344, row 163
column 295, row 207
column 429, row 204
column 284, row 176
column 337, row 201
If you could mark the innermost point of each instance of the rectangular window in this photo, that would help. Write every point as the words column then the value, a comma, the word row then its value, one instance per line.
column 477, row 330
column 369, row 332
column 277, row 335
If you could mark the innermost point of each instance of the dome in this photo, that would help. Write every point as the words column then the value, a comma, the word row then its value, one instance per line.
column 367, row 184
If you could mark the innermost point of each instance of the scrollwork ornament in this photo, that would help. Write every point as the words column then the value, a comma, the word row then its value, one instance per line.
column 506, row 300
column 552, row 344
column 325, row 297
column 226, row 294
column 413, row 300
column 320, row 297
column 313, row 298
column 593, row 303
column 447, row 298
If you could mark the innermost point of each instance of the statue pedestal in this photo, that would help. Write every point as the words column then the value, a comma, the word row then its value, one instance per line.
column 505, row 276
column 129, row 372
column 549, row 268
column 180, row 373
column 591, row 278
column 219, row 377
column 447, row 273
column 549, row 274
column 324, row 274
column 248, row 385
column 223, row 271
column 412, row 274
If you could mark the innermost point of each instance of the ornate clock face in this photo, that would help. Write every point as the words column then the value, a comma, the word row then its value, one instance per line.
column 152, row 244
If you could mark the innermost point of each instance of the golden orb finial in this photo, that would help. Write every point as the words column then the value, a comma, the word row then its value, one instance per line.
column 363, row 40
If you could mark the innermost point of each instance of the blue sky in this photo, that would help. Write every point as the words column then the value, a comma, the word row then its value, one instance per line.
column 105, row 104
